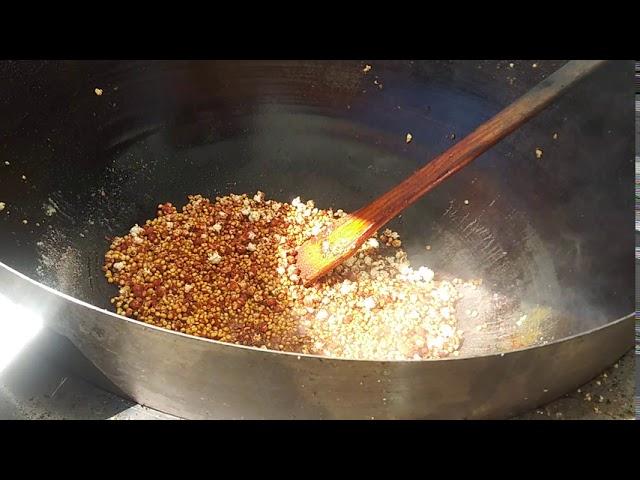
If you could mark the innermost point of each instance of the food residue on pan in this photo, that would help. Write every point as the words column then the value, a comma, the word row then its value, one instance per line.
column 225, row 270
column 539, row 153
column 408, row 138
column 2, row 206
column 366, row 68
column 98, row 91
column 50, row 208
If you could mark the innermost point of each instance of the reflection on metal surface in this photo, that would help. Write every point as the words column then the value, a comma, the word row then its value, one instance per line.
column 18, row 326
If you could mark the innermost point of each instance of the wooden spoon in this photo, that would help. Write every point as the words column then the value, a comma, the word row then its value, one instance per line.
column 319, row 255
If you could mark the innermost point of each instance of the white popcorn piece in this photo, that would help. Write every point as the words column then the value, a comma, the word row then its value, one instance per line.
column 369, row 303
column 215, row 258
column 136, row 230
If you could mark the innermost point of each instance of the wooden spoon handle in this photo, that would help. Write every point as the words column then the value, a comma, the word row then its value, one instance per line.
column 387, row 206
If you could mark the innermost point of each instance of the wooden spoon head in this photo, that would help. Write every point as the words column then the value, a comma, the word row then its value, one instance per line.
column 319, row 255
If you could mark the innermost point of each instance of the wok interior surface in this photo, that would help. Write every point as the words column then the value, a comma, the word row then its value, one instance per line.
column 549, row 237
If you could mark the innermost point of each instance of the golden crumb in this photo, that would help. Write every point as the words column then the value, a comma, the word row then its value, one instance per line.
column 366, row 68
column 539, row 153
column 408, row 138
column 98, row 91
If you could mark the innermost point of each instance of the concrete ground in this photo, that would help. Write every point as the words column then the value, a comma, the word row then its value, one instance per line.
column 32, row 387
column 610, row 396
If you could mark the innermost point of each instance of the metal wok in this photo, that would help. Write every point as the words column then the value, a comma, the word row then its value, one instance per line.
column 550, row 237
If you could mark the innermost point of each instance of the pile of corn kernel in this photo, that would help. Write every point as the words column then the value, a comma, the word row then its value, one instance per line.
column 225, row 270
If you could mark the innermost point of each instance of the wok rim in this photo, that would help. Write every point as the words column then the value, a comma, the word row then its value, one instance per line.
column 137, row 323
